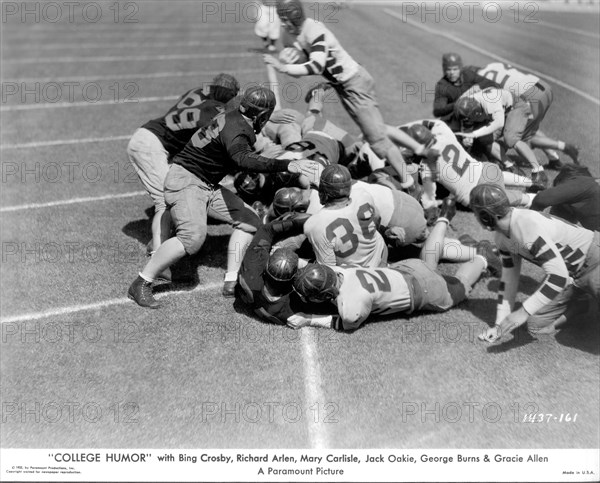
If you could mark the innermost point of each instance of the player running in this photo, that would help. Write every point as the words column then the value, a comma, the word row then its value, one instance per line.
column 568, row 254
column 156, row 142
column 192, row 191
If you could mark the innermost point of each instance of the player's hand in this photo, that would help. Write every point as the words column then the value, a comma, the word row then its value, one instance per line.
column 311, row 169
column 274, row 61
column 299, row 320
column 464, row 135
column 430, row 154
column 491, row 335
column 467, row 142
column 396, row 233
column 282, row 117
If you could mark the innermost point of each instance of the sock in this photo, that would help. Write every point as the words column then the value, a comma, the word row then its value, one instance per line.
column 443, row 219
column 561, row 145
column 485, row 262
column 147, row 279
column 539, row 169
column 231, row 276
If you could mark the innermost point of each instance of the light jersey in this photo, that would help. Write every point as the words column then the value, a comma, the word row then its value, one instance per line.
column 382, row 196
column 509, row 78
column 317, row 143
column 347, row 235
column 494, row 101
column 454, row 169
column 326, row 55
column 556, row 245
column 366, row 291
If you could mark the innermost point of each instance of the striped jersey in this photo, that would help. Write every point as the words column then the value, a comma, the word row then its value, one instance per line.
column 366, row 291
column 455, row 169
column 325, row 54
column 555, row 245
column 347, row 235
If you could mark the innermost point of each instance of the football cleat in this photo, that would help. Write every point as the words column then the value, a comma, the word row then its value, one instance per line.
column 540, row 180
column 554, row 164
column 572, row 151
column 140, row 291
column 229, row 289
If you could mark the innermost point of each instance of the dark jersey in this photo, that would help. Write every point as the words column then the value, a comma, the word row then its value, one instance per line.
column 225, row 147
column 447, row 93
column 193, row 111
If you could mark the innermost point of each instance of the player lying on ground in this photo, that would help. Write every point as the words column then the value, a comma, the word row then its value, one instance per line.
column 156, row 142
column 568, row 254
column 353, row 84
column 539, row 94
column 408, row 286
column 192, row 192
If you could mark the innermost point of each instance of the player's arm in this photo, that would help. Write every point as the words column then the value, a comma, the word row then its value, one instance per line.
column 441, row 106
column 496, row 111
column 399, row 137
column 243, row 155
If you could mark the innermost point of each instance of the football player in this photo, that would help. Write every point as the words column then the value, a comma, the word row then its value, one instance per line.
column 455, row 82
column 345, row 230
column 538, row 93
column 267, row 24
column 408, row 286
column 568, row 254
column 353, row 84
column 455, row 169
column 192, row 191
column 157, row 141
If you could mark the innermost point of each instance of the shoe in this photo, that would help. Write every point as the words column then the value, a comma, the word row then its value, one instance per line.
column 271, row 48
column 509, row 168
column 324, row 86
column 468, row 240
column 448, row 208
column 164, row 277
column 540, row 181
column 229, row 289
column 487, row 250
column 572, row 151
column 141, row 292
column 554, row 164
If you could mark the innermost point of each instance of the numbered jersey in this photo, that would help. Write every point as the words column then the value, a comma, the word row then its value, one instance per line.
column 366, row 291
column 193, row 111
column 317, row 146
column 347, row 235
column 454, row 169
column 509, row 78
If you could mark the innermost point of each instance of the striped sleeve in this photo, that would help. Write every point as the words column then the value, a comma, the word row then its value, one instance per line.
column 316, row 62
column 546, row 255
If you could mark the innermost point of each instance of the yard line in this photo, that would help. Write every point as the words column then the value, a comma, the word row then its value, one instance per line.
column 154, row 75
column 71, row 201
column 117, row 58
column 469, row 45
column 59, row 105
column 99, row 305
column 61, row 142
column 313, row 390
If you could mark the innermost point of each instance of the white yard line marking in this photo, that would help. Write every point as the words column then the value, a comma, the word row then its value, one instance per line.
column 99, row 305
column 118, row 58
column 58, row 105
column 50, row 204
column 61, row 142
column 153, row 75
column 313, row 391
column 470, row 45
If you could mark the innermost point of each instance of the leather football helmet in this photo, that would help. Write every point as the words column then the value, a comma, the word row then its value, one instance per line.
column 289, row 200
column 258, row 104
column 335, row 183
column 489, row 203
column 291, row 14
column 316, row 283
column 224, row 87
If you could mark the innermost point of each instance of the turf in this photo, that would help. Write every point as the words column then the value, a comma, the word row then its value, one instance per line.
column 203, row 372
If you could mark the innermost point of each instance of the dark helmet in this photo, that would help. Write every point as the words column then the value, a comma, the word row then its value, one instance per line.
column 421, row 134
column 289, row 200
column 335, row 183
column 469, row 111
column 248, row 185
column 224, row 87
column 316, row 283
column 282, row 266
column 450, row 60
column 489, row 203
column 258, row 104
column 291, row 14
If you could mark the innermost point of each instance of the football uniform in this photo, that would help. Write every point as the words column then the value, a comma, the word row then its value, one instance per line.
column 315, row 144
column 565, row 252
column 348, row 235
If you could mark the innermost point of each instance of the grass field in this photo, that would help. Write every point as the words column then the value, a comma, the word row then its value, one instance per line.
column 84, row 367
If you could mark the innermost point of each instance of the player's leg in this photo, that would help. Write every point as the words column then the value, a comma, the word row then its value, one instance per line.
column 433, row 248
column 225, row 206
column 540, row 140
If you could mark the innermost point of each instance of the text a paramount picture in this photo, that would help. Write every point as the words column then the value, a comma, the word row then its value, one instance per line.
column 293, row 240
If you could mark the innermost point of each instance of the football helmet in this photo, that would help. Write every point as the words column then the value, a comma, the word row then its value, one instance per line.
column 248, row 186
column 451, row 59
column 316, row 283
column 224, row 87
column 282, row 265
column 468, row 111
column 291, row 14
column 421, row 134
column 489, row 203
column 289, row 200
column 335, row 183
column 258, row 104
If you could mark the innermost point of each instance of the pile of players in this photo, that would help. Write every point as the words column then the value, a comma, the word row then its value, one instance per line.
column 307, row 191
